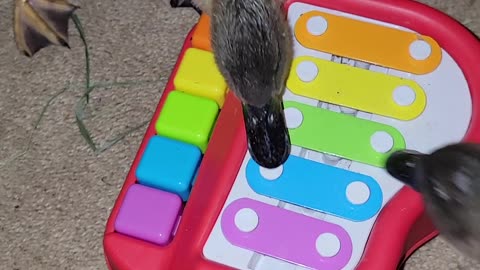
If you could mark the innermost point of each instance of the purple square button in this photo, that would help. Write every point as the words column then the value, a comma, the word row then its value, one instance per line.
column 149, row 214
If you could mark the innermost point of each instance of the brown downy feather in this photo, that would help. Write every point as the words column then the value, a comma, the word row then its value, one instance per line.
column 40, row 23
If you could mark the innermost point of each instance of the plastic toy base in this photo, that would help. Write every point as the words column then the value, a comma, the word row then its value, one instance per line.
column 403, row 220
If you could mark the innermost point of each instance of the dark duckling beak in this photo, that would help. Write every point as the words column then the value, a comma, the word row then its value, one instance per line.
column 184, row 4
column 404, row 165
column 267, row 134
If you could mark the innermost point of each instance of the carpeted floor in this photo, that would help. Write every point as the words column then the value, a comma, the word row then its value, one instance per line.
column 56, row 197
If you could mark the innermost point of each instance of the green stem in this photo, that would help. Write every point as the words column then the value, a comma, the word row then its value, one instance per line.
column 83, row 102
column 78, row 25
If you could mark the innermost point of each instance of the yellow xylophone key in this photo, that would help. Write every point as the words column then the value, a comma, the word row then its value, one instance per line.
column 356, row 88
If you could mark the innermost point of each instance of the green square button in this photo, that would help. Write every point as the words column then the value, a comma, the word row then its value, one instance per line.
column 187, row 118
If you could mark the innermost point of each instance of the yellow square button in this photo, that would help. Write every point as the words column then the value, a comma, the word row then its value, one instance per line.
column 198, row 75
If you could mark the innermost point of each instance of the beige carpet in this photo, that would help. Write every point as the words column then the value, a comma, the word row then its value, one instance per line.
column 55, row 199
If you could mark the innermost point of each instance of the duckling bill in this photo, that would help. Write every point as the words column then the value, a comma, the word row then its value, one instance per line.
column 184, row 4
column 267, row 135
column 41, row 23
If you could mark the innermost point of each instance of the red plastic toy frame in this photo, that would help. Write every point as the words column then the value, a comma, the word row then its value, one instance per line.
column 402, row 221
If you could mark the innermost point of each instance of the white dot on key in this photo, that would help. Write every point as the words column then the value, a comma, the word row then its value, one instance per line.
column 293, row 117
column 381, row 141
column 404, row 95
column 271, row 174
column 328, row 245
column 246, row 220
column 420, row 50
column 307, row 71
column 317, row 25
column 358, row 192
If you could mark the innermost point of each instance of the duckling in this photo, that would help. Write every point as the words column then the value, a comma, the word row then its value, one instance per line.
column 253, row 48
column 40, row 23
column 449, row 181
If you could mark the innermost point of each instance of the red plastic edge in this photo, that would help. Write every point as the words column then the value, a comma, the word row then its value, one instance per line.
column 117, row 246
column 214, row 181
column 403, row 220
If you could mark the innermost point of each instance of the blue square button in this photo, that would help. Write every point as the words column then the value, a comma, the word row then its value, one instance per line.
column 169, row 165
